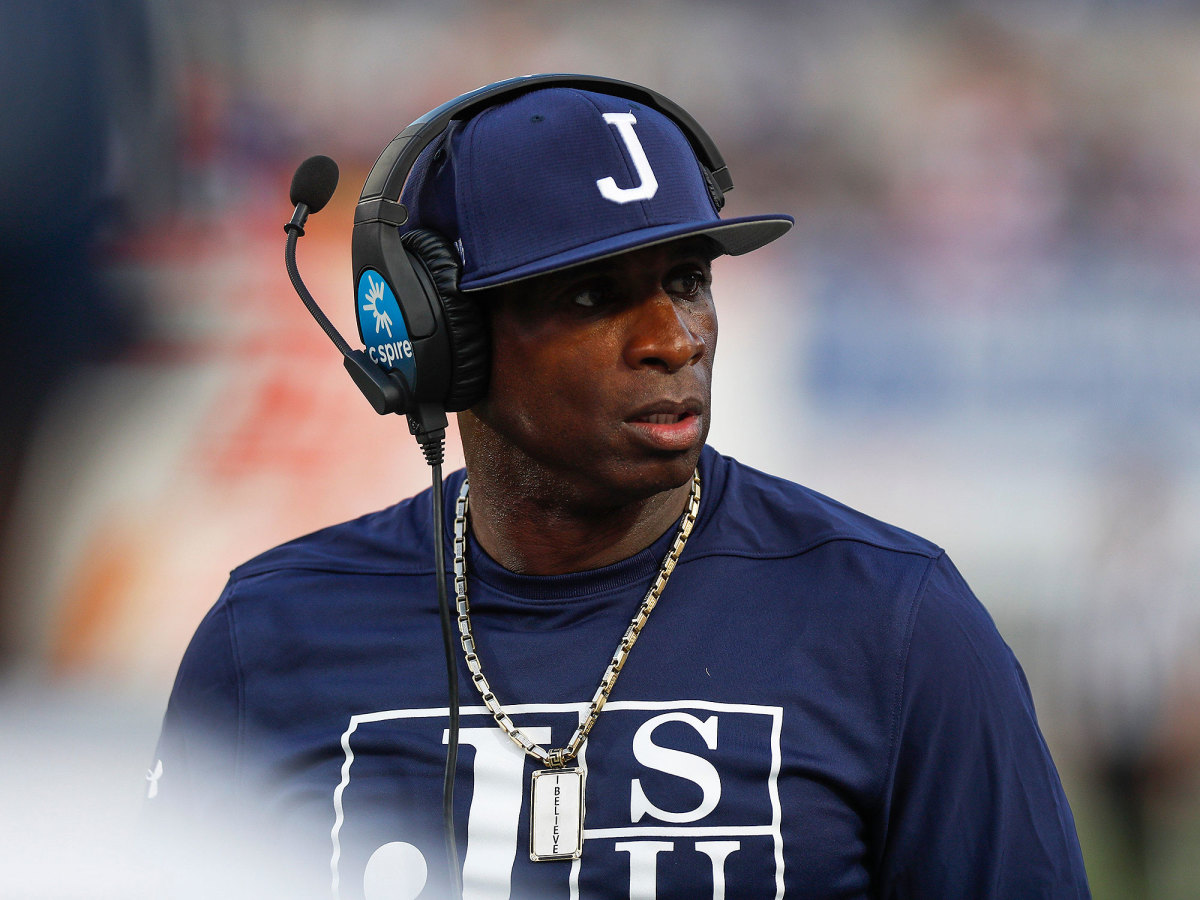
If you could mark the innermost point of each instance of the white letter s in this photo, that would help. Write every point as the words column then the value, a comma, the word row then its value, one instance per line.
column 676, row 762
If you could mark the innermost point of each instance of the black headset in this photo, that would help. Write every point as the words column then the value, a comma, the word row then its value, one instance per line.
column 444, row 362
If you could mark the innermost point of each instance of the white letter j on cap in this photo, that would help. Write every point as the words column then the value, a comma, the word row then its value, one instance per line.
column 624, row 123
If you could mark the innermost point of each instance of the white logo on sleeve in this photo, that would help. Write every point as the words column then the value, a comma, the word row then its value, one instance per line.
column 648, row 187
column 152, row 777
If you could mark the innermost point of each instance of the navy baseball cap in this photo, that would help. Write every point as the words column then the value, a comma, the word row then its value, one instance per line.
column 560, row 176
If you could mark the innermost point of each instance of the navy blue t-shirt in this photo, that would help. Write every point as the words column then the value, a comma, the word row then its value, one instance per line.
column 818, row 707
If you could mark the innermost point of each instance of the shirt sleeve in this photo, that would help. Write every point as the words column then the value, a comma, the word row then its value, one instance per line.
column 195, row 769
column 975, row 807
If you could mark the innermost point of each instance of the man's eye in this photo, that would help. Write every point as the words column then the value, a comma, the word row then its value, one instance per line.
column 687, row 282
column 588, row 297
column 591, row 295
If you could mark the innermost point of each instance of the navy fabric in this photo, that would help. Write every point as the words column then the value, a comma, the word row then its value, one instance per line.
column 516, row 188
column 818, row 707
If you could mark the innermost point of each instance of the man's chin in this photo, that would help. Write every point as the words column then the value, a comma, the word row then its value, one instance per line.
column 660, row 474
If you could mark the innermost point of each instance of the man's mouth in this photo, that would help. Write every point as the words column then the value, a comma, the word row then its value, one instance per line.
column 663, row 418
column 669, row 427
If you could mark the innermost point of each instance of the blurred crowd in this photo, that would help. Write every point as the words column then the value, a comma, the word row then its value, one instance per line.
column 984, row 327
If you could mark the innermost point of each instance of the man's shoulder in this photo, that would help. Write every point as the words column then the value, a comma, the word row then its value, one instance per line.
column 393, row 540
column 763, row 514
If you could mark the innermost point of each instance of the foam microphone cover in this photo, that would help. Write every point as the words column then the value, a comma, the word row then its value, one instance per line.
column 314, row 182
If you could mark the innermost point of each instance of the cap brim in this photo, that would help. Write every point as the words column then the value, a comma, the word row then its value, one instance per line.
column 733, row 236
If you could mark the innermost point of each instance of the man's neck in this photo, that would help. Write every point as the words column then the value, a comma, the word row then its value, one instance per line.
column 541, row 534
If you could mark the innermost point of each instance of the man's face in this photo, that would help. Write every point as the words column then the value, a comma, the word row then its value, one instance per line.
column 601, row 376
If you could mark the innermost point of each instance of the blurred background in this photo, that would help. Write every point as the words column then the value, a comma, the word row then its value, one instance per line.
column 985, row 328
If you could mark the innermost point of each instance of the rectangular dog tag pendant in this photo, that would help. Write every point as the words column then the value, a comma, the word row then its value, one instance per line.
column 556, row 814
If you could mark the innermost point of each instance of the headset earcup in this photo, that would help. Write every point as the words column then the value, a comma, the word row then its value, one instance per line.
column 466, row 325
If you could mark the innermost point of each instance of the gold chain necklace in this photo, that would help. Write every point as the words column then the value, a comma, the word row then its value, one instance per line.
column 556, row 793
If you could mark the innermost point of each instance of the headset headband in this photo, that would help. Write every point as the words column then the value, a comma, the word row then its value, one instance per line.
column 386, row 178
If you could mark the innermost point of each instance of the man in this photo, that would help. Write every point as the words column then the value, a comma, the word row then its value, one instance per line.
column 742, row 688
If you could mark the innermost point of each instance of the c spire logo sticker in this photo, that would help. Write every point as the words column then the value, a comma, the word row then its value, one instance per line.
column 381, row 325
column 374, row 295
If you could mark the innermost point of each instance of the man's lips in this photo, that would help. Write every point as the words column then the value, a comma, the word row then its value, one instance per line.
column 668, row 426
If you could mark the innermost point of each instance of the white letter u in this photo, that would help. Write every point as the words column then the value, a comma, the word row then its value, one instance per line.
column 624, row 123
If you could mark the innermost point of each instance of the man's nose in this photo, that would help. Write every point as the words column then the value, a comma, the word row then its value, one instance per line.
column 663, row 334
